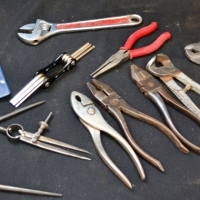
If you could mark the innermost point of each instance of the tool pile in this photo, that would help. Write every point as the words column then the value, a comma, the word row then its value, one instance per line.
column 88, row 114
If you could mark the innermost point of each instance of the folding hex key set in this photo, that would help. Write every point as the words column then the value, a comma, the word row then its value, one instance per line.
column 85, row 109
column 41, row 78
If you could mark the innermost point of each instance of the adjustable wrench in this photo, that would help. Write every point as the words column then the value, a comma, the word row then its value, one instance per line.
column 33, row 34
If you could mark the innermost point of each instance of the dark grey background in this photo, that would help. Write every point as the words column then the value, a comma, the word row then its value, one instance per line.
column 26, row 166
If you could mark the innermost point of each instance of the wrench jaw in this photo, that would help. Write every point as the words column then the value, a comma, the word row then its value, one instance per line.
column 30, row 39
column 33, row 34
column 28, row 28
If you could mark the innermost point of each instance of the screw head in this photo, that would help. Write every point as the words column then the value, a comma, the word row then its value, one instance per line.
column 73, row 63
column 150, row 84
column 91, row 110
column 47, row 84
column 114, row 102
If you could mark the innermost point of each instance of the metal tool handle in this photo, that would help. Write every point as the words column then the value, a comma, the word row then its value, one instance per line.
column 192, row 85
column 155, row 97
column 152, row 121
column 178, row 106
column 182, row 96
column 119, row 117
column 95, row 134
column 111, row 22
column 104, row 126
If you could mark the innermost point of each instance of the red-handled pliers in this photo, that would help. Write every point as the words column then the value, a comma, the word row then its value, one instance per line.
column 125, row 53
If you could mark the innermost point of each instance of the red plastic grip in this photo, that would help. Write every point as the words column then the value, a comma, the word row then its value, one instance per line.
column 94, row 23
column 150, row 48
column 138, row 34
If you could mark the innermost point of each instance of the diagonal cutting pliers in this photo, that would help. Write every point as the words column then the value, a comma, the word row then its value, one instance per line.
column 115, row 105
column 126, row 53
column 153, row 90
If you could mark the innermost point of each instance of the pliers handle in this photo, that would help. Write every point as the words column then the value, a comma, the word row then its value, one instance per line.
column 148, row 49
column 125, row 53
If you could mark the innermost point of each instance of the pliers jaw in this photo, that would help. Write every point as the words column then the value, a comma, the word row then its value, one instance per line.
column 166, row 67
column 138, row 75
column 192, row 51
column 103, row 87
column 115, row 60
column 79, row 100
column 103, row 93
column 99, row 95
column 144, row 80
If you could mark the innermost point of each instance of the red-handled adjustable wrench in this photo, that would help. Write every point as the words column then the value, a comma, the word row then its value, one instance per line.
column 33, row 34
column 125, row 53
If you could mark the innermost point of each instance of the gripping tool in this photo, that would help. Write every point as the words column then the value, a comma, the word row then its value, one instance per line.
column 192, row 51
column 115, row 105
column 153, row 90
column 125, row 53
column 167, row 72
column 33, row 34
column 91, row 118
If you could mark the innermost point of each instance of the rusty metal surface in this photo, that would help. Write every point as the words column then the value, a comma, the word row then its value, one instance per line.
column 116, row 106
column 153, row 90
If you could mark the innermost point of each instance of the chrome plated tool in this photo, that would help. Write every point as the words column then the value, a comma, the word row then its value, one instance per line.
column 116, row 106
column 33, row 34
column 17, row 132
column 192, row 51
column 92, row 119
column 41, row 78
column 125, row 53
column 20, row 110
column 153, row 90
column 4, row 89
column 167, row 72
column 7, row 188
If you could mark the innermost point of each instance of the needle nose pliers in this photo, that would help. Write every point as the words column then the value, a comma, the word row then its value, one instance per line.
column 126, row 53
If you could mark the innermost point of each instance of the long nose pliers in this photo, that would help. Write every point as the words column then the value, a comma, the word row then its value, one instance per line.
column 125, row 53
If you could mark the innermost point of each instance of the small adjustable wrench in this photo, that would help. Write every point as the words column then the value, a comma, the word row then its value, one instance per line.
column 33, row 34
